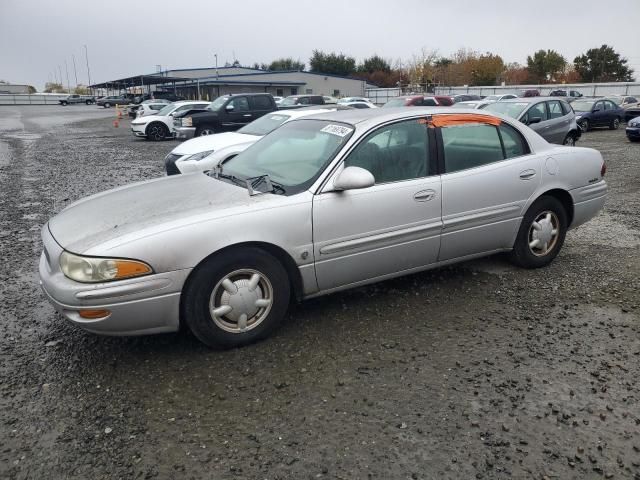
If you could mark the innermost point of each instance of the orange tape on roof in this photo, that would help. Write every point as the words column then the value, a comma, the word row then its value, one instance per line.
column 449, row 120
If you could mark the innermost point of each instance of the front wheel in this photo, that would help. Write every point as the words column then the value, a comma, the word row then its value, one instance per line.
column 236, row 298
column 615, row 123
column 584, row 125
column 88, row 102
column 157, row 131
column 204, row 130
column 107, row 105
column 63, row 103
column 541, row 233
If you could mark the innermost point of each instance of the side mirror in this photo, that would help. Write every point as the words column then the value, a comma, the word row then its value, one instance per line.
column 352, row 178
column 533, row 120
column 229, row 108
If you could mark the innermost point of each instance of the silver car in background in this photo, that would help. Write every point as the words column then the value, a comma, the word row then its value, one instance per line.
column 321, row 204
column 552, row 118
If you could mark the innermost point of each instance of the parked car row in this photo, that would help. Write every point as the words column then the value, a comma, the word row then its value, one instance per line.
column 313, row 201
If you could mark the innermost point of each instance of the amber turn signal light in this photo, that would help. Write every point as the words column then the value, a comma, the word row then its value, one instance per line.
column 94, row 314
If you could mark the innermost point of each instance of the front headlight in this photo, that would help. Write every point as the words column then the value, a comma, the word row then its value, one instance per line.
column 578, row 117
column 634, row 124
column 196, row 157
column 91, row 269
column 187, row 122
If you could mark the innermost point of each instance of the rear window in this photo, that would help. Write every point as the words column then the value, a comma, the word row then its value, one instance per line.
column 396, row 102
column 429, row 102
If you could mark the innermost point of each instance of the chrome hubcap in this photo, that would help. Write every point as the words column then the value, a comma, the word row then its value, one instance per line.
column 207, row 132
column 543, row 233
column 570, row 141
column 241, row 301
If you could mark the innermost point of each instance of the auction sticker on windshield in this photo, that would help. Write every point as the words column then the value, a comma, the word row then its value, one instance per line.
column 339, row 130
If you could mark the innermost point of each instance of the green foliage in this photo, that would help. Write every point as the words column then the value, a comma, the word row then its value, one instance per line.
column 53, row 87
column 546, row 65
column 603, row 64
column 31, row 89
column 487, row 69
column 81, row 90
column 286, row 64
column 374, row 64
column 333, row 63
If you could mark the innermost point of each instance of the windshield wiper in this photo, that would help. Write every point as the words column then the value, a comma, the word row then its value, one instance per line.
column 254, row 182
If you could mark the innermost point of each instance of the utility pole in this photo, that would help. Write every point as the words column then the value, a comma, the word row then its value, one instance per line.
column 67, row 70
column 86, row 56
column 60, row 72
column 75, row 72
column 216, row 55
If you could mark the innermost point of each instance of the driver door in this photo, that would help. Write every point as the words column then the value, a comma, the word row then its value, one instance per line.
column 239, row 114
column 390, row 227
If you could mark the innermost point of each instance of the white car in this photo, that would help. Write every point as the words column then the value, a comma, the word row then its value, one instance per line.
column 204, row 153
column 277, row 99
column 471, row 104
column 146, row 109
column 499, row 98
column 329, row 99
column 160, row 125
column 359, row 104
column 354, row 99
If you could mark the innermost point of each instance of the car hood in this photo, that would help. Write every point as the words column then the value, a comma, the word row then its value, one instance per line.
column 212, row 142
column 148, row 118
column 136, row 210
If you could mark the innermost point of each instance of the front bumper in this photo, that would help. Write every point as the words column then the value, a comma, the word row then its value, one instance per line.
column 143, row 305
column 139, row 130
column 633, row 132
column 184, row 133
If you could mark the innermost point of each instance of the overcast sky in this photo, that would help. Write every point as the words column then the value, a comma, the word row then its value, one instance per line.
column 126, row 38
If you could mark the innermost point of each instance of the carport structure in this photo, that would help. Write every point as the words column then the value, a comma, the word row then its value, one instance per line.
column 141, row 82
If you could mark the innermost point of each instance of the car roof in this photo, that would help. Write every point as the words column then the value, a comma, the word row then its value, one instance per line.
column 182, row 102
column 530, row 99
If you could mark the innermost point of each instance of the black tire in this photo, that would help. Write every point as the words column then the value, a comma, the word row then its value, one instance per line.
column 64, row 103
column 570, row 140
column 204, row 285
column 88, row 102
column 523, row 254
column 634, row 139
column 205, row 130
column 106, row 105
column 584, row 125
column 156, row 131
column 615, row 123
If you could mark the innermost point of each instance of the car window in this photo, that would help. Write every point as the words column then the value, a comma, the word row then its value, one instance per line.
column 429, row 102
column 513, row 142
column 469, row 146
column 261, row 102
column 393, row 153
column 537, row 110
column 555, row 109
column 599, row 106
column 606, row 106
column 632, row 100
column 240, row 104
column 611, row 106
column 566, row 108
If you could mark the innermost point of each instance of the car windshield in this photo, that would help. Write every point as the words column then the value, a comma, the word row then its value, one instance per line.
column 167, row 110
column 396, row 102
column 293, row 155
column 264, row 124
column 512, row 109
column 583, row 105
column 289, row 101
column 492, row 97
column 464, row 105
column 217, row 103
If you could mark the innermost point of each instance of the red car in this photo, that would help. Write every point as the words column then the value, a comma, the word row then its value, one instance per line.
column 418, row 101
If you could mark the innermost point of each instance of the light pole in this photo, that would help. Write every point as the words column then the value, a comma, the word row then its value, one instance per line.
column 216, row 55
column 67, row 70
column 86, row 56
column 60, row 72
column 75, row 72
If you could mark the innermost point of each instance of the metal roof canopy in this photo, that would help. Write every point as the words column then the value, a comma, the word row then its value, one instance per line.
column 139, row 81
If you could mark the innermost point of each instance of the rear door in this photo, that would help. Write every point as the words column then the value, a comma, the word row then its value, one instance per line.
column 393, row 226
column 489, row 175
column 260, row 104
column 559, row 122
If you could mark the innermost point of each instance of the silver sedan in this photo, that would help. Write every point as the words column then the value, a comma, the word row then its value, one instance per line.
column 324, row 203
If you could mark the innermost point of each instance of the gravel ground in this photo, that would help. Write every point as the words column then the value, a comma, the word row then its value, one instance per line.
column 480, row 370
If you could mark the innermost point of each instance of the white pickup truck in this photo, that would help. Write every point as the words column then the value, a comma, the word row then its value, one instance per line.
column 88, row 99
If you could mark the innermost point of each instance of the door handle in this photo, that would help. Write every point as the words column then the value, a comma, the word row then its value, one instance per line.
column 424, row 195
column 246, row 115
column 527, row 174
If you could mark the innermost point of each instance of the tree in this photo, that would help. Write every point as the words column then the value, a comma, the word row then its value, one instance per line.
column 333, row 63
column 31, row 89
column 487, row 69
column 603, row 64
column 545, row 66
column 53, row 87
column 288, row 63
column 421, row 68
column 374, row 64
column 81, row 90
column 515, row 74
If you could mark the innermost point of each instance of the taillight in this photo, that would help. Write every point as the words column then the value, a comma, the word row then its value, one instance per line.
column 603, row 169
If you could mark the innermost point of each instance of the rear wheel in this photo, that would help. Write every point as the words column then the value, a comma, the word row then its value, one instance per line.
column 107, row 105
column 615, row 123
column 541, row 233
column 570, row 140
column 88, row 102
column 64, row 102
column 157, row 131
column 236, row 298
column 204, row 130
